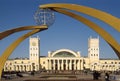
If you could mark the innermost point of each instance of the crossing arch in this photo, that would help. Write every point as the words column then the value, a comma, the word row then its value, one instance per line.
column 12, row 46
column 103, row 16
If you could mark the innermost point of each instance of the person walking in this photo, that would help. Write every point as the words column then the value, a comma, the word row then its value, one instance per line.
column 107, row 77
column 96, row 75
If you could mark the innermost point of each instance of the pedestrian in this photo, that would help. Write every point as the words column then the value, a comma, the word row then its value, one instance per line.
column 94, row 75
column 107, row 77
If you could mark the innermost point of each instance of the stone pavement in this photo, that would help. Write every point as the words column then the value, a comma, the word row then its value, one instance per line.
column 53, row 77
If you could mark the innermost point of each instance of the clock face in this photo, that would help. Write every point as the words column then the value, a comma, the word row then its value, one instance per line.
column 33, row 44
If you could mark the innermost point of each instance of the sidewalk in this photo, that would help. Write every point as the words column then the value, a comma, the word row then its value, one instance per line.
column 78, row 78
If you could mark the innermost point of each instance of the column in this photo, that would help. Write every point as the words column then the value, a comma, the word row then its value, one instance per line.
column 82, row 64
column 20, row 67
column 74, row 64
column 62, row 65
column 26, row 67
column 48, row 64
column 78, row 64
column 53, row 64
column 58, row 64
column 14, row 68
column 66, row 64
column 70, row 65
column 30, row 67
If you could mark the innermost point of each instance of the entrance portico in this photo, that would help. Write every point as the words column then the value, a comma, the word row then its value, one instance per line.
column 65, row 64
column 64, row 59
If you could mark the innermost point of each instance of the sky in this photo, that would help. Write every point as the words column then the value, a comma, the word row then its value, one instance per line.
column 65, row 33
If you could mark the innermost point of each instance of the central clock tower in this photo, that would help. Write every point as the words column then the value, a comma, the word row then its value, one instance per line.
column 34, row 53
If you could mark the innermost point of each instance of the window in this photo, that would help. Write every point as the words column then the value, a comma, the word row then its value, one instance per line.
column 95, row 63
column 10, row 63
column 44, row 62
column 22, row 62
column 105, row 62
column 84, row 62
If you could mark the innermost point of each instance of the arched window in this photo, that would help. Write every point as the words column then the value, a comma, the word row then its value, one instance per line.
column 64, row 54
column 22, row 62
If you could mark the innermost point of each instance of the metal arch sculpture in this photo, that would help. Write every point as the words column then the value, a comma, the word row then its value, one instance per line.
column 103, row 16
column 11, row 48
column 104, row 34
column 43, row 24
column 11, row 31
column 107, row 18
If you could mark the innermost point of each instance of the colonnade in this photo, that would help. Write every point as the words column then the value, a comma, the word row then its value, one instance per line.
column 22, row 68
column 65, row 64
column 110, row 67
column 18, row 68
column 105, row 67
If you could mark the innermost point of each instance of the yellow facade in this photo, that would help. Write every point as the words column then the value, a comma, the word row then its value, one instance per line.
column 62, row 59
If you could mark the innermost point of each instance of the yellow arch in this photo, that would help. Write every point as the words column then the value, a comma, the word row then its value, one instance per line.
column 103, row 16
column 11, row 48
column 11, row 31
column 104, row 34
column 107, row 18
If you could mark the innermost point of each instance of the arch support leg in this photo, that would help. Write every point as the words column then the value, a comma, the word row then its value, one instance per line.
column 12, row 47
